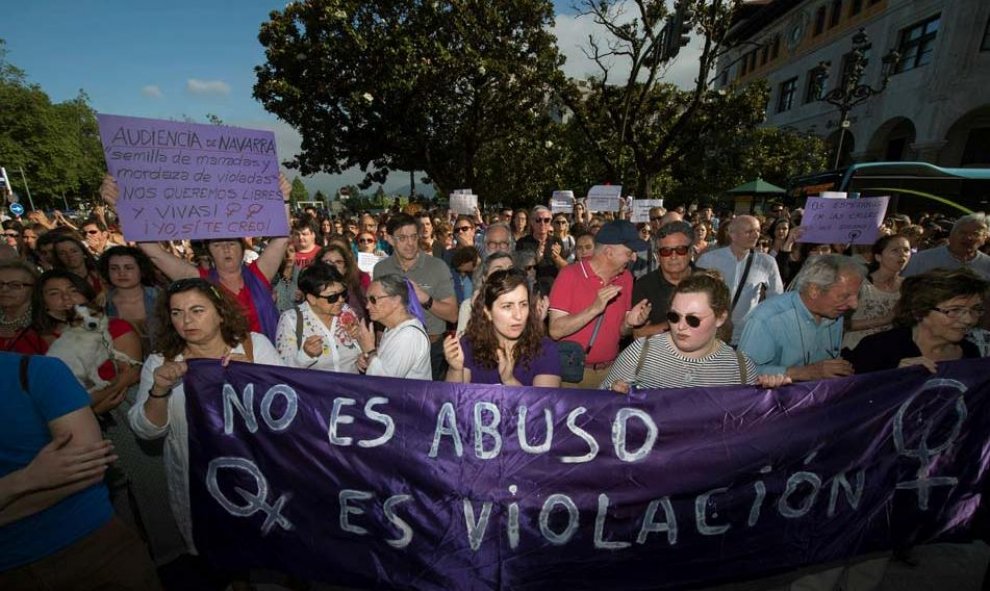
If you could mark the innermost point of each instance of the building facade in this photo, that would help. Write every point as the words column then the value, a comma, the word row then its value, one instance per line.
column 936, row 106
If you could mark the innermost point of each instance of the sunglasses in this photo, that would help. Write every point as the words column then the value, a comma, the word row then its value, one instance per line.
column 692, row 320
column 333, row 298
column 542, row 220
column 366, row 240
column 373, row 300
column 11, row 234
column 91, row 232
column 461, row 229
column 666, row 251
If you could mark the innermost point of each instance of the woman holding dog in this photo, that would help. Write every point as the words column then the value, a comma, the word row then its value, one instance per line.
column 56, row 294
column 196, row 320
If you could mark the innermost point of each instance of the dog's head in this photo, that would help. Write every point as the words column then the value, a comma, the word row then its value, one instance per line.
column 89, row 319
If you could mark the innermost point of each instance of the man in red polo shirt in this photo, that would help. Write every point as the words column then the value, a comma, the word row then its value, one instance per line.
column 599, row 287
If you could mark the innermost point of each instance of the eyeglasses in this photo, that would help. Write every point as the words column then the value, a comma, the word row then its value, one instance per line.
column 373, row 300
column 14, row 285
column 691, row 320
column 542, row 220
column 332, row 298
column 667, row 251
column 460, row 229
column 957, row 313
column 406, row 237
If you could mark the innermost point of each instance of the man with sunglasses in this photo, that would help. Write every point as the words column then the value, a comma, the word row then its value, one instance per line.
column 750, row 276
column 97, row 236
column 549, row 250
column 599, row 287
column 673, row 251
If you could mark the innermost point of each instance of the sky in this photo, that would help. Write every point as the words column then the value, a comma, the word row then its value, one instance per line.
column 176, row 58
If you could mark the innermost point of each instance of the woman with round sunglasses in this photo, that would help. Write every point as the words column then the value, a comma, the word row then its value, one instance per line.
column 932, row 318
column 320, row 332
column 561, row 231
column 505, row 342
column 689, row 354
column 404, row 349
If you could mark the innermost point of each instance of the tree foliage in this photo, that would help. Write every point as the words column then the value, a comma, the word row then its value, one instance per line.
column 409, row 84
column 298, row 192
column 56, row 145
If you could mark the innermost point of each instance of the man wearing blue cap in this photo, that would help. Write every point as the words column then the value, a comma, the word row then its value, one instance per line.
column 591, row 300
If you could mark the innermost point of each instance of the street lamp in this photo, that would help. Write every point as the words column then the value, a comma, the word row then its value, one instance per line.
column 851, row 92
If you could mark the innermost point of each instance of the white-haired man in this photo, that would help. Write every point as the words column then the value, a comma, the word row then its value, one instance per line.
column 968, row 235
column 800, row 332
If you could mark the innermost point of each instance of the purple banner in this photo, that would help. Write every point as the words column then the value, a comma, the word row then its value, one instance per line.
column 187, row 180
column 375, row 482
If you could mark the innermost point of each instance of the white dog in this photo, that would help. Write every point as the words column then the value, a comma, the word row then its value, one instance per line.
column 85, row 345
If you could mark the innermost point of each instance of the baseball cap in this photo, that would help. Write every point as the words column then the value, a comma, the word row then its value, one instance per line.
column 621, row 232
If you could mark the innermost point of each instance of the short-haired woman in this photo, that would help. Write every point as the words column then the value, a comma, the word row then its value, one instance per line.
column 689, row 354
column 320, row 332
column 404, row 350
column 504, row 343
column 936, row 311
column 196, row 320
column 17, row 279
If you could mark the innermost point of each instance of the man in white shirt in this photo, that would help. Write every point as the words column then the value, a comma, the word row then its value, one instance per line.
column 751, row 276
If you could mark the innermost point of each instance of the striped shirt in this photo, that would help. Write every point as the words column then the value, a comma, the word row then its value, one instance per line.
column 665, row 367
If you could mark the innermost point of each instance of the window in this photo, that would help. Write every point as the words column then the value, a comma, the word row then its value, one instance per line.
column 917, row 44
column 855, row 7
column 724, row 79
column 836, row 13
column 985, row 46
column 785, row 100
column 752, row 60
column 764, row 55
column 775, row 50
column 819, row 21
column 817, row 83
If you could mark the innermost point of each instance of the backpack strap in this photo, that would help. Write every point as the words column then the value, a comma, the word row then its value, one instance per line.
column 299, row 327
column 25, row 366
column 642, row 358
column 743, row 373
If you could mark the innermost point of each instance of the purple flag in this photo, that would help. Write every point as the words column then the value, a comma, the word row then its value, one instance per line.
column 376, row 482
column 187, row 180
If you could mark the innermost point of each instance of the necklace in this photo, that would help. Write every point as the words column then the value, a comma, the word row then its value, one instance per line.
column 19, row 322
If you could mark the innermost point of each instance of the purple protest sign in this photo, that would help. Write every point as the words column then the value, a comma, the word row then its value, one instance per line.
column 382, row 483
column 192, row 181
column 842, row 221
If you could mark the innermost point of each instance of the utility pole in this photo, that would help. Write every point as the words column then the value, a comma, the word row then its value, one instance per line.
column 26, row 189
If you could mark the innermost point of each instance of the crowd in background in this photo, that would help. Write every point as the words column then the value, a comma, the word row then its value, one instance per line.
column 512, row 296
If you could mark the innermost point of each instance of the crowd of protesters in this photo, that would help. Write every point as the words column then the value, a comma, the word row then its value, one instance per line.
column 526, row 297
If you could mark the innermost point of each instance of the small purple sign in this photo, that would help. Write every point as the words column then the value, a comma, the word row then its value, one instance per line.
column 193, row 181
column 842, row 221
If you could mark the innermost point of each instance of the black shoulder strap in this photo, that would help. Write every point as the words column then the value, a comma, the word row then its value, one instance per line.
column 25, row 366
column 742, row 280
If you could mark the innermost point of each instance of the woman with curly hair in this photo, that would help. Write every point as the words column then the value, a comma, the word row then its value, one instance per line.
column 504, row 342
column 196, row 320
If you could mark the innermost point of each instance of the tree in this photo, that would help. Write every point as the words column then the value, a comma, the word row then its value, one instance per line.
column 632, row 119
column 56, row 145
column 319, row 196
column 409, row 84
column 298, row 193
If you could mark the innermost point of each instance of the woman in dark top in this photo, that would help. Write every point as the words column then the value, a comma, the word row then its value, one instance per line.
column 504, row 342
column 931, row 320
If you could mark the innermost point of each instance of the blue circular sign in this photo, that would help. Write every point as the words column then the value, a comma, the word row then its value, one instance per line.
column 16, row 209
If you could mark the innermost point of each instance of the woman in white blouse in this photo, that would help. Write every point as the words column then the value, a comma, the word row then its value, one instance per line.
column 195, row 320
column 320, row 332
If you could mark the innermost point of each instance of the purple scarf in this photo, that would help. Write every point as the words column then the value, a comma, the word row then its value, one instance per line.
column 261, row 295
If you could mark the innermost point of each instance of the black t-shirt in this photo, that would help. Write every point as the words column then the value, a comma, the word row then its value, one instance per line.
column 658, row 291
column 884, row 350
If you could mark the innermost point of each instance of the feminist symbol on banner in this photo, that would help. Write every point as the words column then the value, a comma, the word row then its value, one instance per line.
column 256, row 501
column 925, row 454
